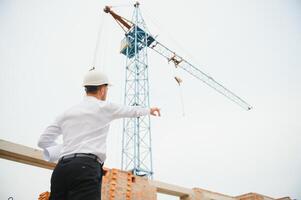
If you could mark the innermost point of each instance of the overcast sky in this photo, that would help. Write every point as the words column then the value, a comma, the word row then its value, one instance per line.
column 252, row 47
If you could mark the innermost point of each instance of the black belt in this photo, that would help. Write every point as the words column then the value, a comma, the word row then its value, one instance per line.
column 86, row 155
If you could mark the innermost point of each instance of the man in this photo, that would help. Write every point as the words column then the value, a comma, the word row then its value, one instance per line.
column 84, row 128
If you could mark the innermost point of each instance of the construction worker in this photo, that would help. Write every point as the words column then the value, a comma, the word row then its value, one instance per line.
column 84, row 127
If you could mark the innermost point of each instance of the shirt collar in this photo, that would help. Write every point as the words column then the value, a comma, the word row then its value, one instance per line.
column 92, row 98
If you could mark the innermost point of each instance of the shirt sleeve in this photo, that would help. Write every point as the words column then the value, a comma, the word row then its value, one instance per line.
column 49, row 136
column 52, row 154
column 121, row 111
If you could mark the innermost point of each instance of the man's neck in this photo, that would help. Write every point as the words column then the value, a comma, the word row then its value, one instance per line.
column 93, row 95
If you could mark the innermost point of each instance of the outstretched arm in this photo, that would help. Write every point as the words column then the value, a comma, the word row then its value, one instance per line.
column 120, row 111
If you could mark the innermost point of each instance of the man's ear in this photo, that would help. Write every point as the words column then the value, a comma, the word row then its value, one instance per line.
column 102, row 91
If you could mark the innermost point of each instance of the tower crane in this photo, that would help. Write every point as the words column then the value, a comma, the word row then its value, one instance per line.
column 136, row 151
column 147, row 40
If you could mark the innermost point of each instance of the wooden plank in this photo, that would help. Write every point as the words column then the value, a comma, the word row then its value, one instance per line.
column 26, row 155
column 31, row 156
column 174, row 190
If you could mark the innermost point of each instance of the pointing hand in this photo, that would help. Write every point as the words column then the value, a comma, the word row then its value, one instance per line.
column 155, row 111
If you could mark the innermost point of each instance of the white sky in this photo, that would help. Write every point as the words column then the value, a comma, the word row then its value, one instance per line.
column 252, row 47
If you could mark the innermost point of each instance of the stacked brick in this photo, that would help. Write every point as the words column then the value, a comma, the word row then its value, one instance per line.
column 253, row 196
column 142, row 190
column 44, row 196
column 117, row 185
column 121, row 185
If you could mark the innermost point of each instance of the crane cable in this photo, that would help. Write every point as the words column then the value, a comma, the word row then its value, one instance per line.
column 121, row 5
column 100, row 40
column 99, row 34
column 104, row 39
column 178, row 80
column 168, row 34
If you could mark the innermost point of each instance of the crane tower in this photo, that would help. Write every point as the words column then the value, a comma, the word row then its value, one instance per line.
column 136, row 139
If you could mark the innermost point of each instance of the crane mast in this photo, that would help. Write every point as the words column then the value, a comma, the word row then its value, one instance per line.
column 136, row 140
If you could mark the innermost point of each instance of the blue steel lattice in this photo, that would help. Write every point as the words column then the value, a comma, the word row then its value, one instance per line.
column 136, row 140
column 129, row 40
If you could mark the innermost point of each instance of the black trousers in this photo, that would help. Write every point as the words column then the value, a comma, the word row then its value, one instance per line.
column 76, row 179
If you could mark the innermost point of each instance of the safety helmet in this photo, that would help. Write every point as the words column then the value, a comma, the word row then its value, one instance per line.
column 95, row 78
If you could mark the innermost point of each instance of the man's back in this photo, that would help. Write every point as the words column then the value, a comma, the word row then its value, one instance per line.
column 84, row 127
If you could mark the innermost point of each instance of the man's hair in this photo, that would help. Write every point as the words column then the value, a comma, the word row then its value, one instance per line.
column 92, row 89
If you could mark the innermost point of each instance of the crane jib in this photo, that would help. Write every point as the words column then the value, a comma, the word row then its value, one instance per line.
column 197, row 73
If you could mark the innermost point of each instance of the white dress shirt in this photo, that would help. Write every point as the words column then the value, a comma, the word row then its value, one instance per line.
column 84, row 128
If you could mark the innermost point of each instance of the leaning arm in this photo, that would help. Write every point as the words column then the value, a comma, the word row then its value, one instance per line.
column 49, row 136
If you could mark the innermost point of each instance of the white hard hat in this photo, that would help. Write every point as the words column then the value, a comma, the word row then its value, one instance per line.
column 95, row 78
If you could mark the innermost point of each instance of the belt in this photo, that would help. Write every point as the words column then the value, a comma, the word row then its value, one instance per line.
column 86, row 155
